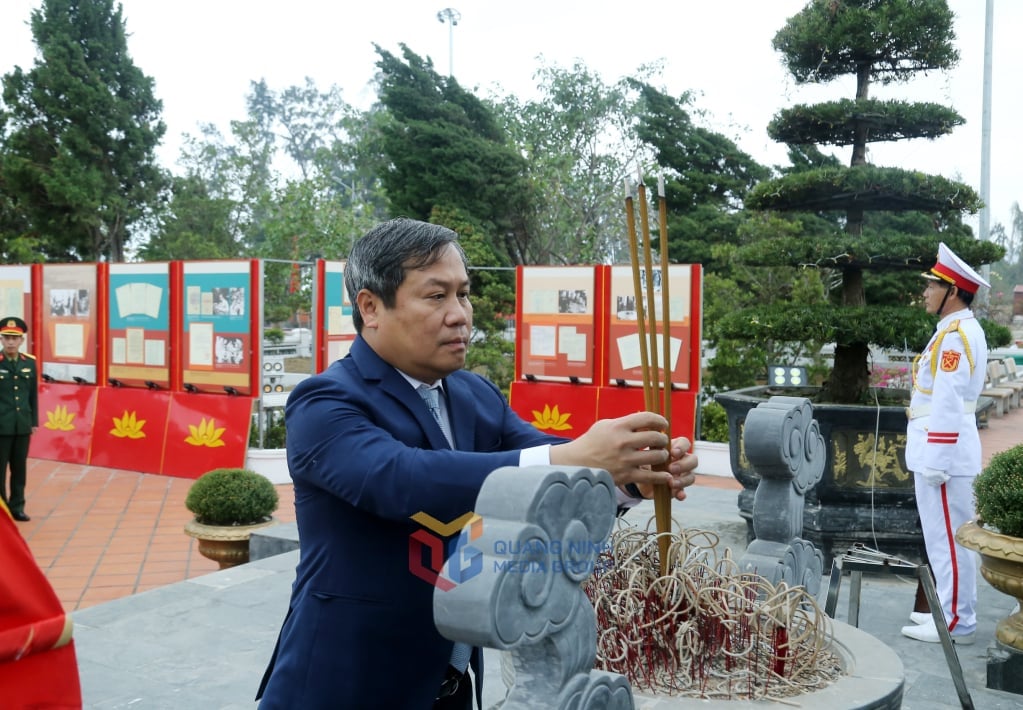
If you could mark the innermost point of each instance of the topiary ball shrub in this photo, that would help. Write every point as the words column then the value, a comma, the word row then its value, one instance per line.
column 999, row 492
column 231, row 496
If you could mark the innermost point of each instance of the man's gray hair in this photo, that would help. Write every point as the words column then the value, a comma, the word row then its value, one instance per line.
column 379, row 260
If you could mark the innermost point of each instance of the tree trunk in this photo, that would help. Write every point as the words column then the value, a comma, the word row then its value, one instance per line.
column 850, row 376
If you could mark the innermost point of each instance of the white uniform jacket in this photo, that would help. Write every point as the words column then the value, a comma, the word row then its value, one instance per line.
column 947, row 380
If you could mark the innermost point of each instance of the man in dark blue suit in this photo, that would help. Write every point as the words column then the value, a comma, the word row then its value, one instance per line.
column 367, row 453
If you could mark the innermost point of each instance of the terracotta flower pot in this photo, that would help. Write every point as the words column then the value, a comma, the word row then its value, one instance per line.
column 227, row 545
column 1001, row 564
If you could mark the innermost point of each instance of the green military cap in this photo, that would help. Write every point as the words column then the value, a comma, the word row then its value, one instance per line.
column 12, row 325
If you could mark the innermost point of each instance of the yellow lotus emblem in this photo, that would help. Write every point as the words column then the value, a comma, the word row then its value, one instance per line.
column 206, row 434
column 59, row 419
column 128, row 427
column 551, row 418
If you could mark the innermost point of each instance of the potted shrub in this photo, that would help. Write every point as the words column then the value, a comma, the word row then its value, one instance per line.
column 997, row 534
column 228, row 504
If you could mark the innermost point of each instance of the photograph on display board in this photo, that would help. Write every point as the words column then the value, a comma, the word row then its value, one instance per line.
column 572, row 301
column 229, row 350
column 69, row 302
column 228, row 301
column 557, row 323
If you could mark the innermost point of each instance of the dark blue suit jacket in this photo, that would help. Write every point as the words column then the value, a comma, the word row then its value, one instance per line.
column 365, row 455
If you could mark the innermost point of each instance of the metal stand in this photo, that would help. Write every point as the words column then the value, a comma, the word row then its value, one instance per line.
column 860, row 559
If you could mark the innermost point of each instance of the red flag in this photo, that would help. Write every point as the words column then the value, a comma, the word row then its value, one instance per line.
column 38, row 667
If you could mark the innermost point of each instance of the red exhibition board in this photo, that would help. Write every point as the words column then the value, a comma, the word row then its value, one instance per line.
column 206, row 431
column 68, row 333
column 336, row 333
column 623, row 347
column 129, row 428
column 619, row 401
column 65, row 422
column 555, row 408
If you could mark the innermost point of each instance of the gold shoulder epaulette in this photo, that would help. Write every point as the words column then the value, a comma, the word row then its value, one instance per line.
column 30, row 356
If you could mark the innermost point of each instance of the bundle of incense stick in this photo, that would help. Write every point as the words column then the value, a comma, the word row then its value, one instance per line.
column 655, row 397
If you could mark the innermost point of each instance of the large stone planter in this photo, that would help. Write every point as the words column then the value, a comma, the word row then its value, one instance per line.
column 865, row 495
column 227, row 545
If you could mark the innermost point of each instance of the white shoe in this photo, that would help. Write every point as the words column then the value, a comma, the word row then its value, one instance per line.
column 921, row 617
column 928, row 633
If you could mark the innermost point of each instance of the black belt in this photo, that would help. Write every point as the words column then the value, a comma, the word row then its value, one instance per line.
column 453, row 678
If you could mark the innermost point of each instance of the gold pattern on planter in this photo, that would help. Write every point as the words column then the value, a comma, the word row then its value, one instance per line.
column 857, row 466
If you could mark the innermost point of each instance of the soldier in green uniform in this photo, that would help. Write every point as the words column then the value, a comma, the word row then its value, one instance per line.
column 19, row 412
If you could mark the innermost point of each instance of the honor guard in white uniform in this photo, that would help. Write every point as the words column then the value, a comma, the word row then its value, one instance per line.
column 942, row 443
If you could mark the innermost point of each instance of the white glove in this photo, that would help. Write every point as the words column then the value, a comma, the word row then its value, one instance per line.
column 934, row 477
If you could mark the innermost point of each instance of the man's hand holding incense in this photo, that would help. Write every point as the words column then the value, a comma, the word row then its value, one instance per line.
column 633, row 449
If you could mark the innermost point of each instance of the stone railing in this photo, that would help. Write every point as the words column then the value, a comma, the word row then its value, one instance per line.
column 784, row 445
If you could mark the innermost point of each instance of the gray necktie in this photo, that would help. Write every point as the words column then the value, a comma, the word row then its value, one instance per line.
column 431, row 395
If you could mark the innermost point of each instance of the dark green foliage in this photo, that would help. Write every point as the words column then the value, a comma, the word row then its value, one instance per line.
column 231, row 496
column 997, row 335
column 711, row 178
column 864, row 187
column 196, row 225
column 999, row 492
column 714, row 424
column 873, row 250
column 79, row 133
column 836, row 122
column 889, row 327
column 275, row 436
column 446, row 148
column 491, row 353
column 830, row 39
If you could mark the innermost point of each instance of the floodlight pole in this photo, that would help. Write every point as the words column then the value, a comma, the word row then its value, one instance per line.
column 985, row 136
column 451, row 16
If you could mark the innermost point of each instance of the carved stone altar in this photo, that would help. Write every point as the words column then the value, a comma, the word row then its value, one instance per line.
column 543, row 528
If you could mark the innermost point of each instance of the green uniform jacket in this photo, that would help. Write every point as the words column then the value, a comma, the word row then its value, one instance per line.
column 19, row 395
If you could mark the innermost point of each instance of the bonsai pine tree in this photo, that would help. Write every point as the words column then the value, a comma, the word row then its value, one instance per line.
column 891, row 219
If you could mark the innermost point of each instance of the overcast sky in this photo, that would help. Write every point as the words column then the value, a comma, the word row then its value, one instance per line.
column 203, row 54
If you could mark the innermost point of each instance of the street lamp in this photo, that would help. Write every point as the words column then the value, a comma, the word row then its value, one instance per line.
column 451, row 16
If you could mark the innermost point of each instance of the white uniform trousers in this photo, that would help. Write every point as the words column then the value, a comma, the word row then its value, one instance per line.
column 942, row 510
